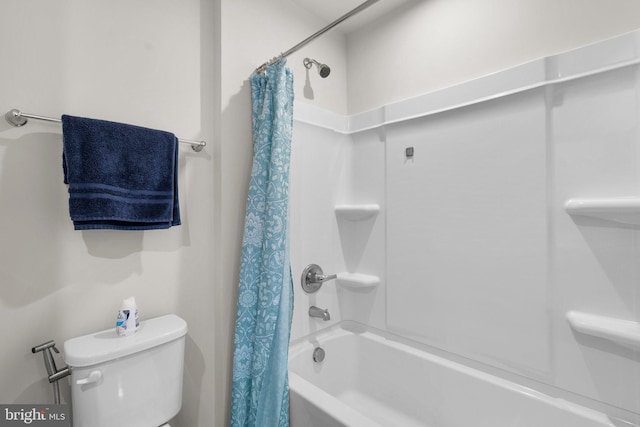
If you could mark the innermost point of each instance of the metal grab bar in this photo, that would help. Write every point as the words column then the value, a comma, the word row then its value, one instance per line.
column 18, row 118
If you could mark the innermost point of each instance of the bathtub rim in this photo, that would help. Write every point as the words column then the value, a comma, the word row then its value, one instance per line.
column 536, row 389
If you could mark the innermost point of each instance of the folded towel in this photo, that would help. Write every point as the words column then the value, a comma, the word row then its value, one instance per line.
column 120, row 176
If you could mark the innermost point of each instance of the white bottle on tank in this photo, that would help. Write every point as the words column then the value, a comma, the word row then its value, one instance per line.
column 127, row 321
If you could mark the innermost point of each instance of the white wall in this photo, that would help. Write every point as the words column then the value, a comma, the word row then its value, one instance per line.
column 141, row 62
column 431, row 44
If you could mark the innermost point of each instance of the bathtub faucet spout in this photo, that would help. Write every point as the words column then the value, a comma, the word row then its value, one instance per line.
column 319, row 313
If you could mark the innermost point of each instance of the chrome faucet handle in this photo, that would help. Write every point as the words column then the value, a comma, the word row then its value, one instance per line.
column 320, row 278
column 313, row 277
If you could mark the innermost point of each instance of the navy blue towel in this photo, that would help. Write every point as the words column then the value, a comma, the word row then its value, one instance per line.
column 120, row 176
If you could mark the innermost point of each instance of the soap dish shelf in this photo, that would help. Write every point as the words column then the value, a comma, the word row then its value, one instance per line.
column 357, row 281
column 357, row 212
column 624, row 210
column 622, row 332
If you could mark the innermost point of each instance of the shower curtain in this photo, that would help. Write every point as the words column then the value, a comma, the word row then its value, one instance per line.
column 260, row 395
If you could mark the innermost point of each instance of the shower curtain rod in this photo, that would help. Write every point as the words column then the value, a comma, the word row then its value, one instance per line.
column 314, row 36
column 18, row 118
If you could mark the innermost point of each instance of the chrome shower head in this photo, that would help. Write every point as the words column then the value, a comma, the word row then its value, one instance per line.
column 323, row 69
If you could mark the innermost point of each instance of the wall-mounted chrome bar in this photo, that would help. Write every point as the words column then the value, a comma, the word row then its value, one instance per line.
column 317, row 34
column 18, row 118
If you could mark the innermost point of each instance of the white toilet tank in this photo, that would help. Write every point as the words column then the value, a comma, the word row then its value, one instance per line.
column 128, row 381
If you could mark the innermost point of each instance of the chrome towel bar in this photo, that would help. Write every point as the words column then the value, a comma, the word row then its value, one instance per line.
column 18, row 118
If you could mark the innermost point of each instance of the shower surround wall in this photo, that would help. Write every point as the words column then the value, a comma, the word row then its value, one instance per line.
column 475, row 251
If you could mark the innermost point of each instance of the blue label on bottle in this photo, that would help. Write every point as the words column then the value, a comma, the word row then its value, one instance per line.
column 121, row 321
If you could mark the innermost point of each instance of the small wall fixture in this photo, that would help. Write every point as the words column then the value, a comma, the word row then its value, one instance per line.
column 313, row 277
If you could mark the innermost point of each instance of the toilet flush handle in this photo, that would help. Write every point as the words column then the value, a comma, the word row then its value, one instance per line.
column 94, row 377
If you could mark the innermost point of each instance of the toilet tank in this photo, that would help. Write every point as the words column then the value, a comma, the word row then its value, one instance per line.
column 128, row 381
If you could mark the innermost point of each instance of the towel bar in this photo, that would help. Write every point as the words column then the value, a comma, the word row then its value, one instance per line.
column 18, row 118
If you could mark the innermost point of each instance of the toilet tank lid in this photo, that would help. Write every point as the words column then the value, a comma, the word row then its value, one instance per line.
column 107, row 345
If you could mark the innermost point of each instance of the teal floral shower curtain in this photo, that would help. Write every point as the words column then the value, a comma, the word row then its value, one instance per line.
column 260, row 395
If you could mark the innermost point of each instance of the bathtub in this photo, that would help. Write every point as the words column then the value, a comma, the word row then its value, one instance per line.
column 372, row 379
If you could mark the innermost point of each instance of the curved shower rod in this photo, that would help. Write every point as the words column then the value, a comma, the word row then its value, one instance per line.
column 317, row 34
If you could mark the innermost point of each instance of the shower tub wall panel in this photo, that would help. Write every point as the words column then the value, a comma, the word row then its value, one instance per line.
column 320, row 160
column 331, row 168
column 482, row 260
column 363, row 241
column 466, row 232
column 596, row 142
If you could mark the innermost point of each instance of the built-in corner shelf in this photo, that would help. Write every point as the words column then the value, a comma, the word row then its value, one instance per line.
column 355, row 222
column 622, row 332
column 357, row 280
column 357, row 212
column 625, row 210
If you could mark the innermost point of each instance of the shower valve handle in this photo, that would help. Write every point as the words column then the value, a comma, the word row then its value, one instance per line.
column 320, row 278
column 313, row 277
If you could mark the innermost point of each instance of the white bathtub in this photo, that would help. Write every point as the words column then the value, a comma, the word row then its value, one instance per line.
column 367, row 379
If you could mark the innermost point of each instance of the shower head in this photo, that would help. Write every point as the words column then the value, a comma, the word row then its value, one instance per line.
column 323, row 69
